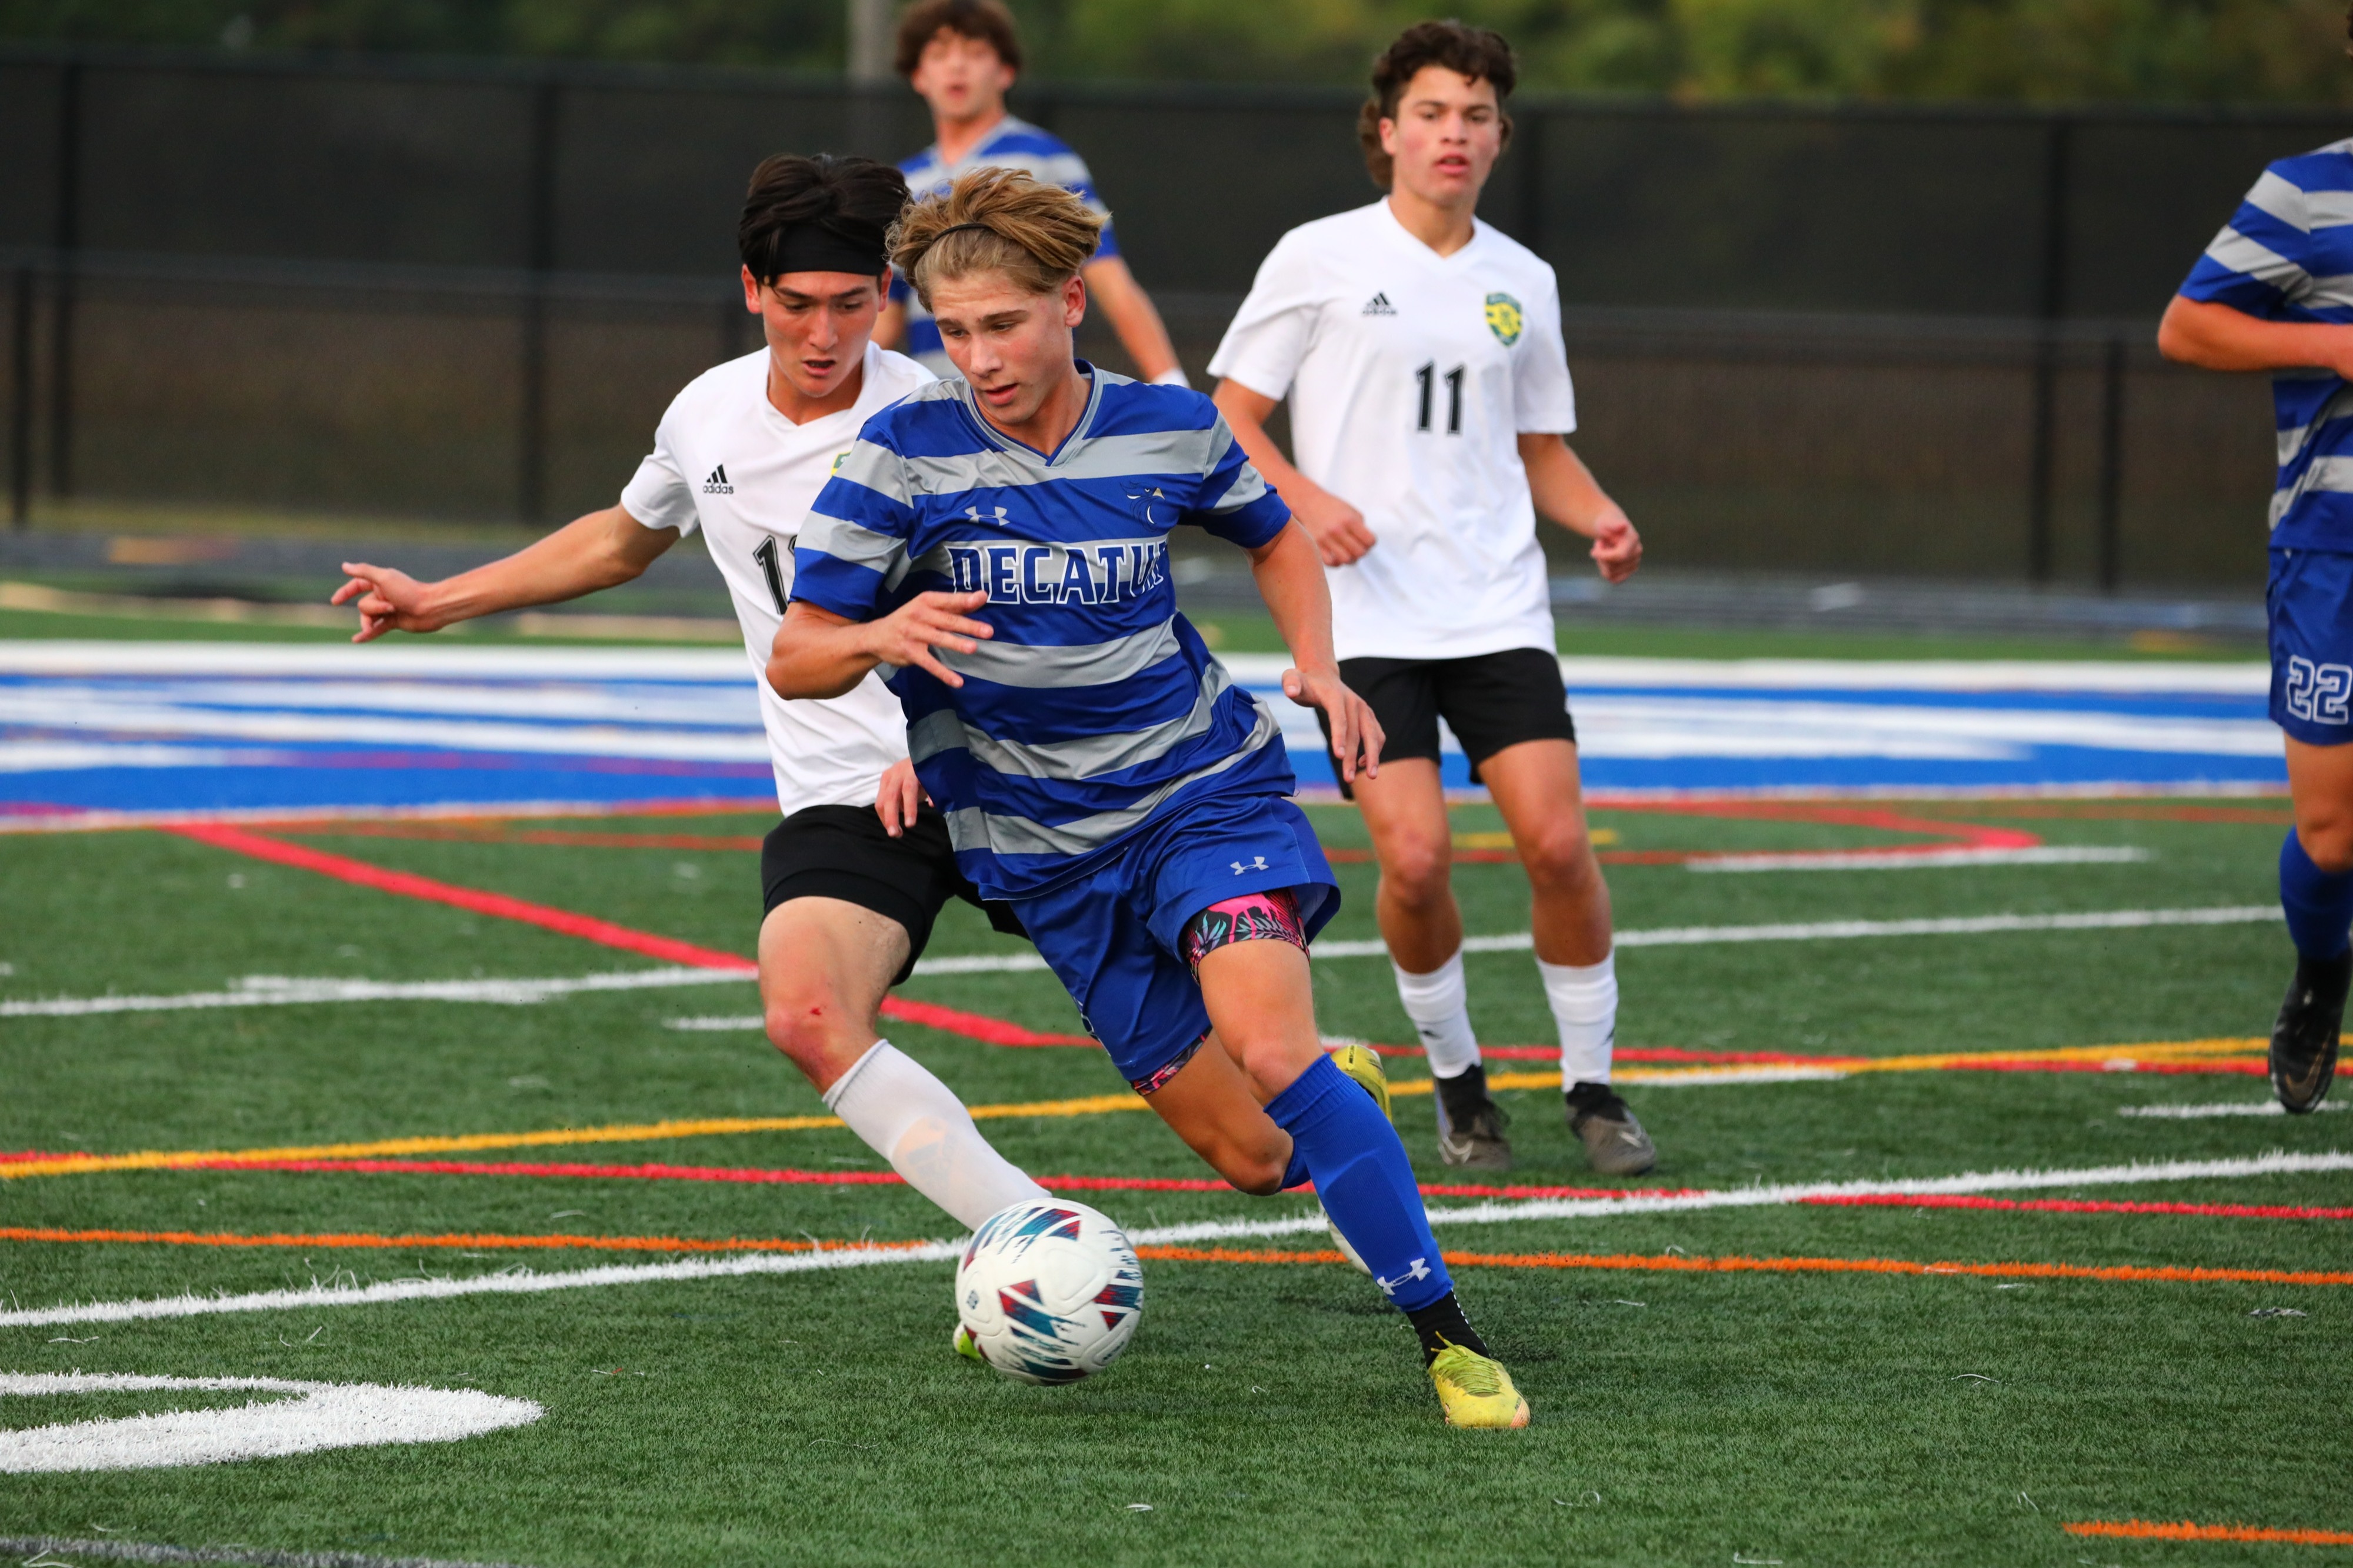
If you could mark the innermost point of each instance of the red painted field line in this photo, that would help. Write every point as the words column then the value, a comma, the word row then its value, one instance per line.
column 468, row 1241
column 787, row 1176
column 2080, row 1205
column 239, row 840
column 1671, row 1263
column 2149, row 1530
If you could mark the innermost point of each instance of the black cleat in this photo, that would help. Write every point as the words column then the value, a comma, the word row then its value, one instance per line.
column 1471, row 1125
column 2304, row 1041
column 1615, row 1143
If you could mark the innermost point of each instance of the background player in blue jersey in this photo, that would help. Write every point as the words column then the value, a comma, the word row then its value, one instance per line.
column 1098, row 768
column 2274, row 291
column 962, row 56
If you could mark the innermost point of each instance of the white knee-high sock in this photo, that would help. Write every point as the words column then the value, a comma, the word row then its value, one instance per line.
column 1439, row 1002
column 1585, row 1009
column 916, row 1123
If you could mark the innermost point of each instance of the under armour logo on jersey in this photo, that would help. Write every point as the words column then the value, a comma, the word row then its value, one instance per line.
column 973, row 512
column 1378, row 305
column 1258, row 863
column 717, row 485
column 1418, row 1270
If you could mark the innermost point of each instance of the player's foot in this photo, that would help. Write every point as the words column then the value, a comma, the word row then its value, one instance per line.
column 1361, row 1064
column 2303, row 1040
column 1615, row 1143
column 964, row 1344
column 1471, row 1125
column 1474, row 1391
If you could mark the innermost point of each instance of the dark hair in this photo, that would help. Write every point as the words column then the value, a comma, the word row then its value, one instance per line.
column 1479, row 53
column 986, row 20
column 853, row 200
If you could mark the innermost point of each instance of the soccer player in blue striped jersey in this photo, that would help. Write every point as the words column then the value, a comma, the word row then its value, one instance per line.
column 2274, row 291
column 961, row 57
column 999, row 541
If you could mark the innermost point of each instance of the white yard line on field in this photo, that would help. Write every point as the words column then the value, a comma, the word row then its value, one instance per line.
column 2224, row 1107
column 523, row 1282
column 276, row 991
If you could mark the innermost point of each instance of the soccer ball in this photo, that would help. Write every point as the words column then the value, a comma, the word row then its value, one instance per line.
column 1051, row 1291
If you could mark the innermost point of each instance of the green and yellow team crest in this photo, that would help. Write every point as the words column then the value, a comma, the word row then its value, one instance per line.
column 1504, row 318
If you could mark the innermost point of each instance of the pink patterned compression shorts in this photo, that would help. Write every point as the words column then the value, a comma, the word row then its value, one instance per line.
column 1252, row 917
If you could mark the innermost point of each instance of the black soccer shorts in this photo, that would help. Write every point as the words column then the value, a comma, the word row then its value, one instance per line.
column 1490, row 701
column 842, row 852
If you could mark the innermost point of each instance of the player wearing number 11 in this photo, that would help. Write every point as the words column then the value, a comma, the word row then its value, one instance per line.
column 1422, row 351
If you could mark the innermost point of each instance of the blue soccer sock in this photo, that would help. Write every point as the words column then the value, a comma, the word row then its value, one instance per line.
column 1365, row 1181
column 2319, row 905
column 1296, row 1173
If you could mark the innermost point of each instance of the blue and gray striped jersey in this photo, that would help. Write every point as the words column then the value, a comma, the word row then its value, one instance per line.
column 1011, row 143
column 1096, row 706
column 2288, row 256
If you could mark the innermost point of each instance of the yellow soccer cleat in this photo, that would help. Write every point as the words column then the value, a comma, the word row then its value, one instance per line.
column 1474, row 1391
column 962, row 1342
column 1360, row 1064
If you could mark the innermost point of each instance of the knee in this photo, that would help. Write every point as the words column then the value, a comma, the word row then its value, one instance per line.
column 1418, row 869
column 2327, row 839
column 1560, row 856
column 809, row 1024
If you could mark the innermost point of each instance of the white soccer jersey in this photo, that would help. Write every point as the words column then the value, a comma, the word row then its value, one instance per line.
column 1411, row 376
column 725, row 461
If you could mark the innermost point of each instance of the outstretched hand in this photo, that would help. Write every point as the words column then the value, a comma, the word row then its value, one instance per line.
column 389, row 601
column 1354, row 728
column 908, row 635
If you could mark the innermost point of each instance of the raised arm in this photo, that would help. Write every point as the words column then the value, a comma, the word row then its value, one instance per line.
column 820, row 654
column 1337, row 528
column 602, row 550
column 1133, row 316
column 2216, row 336
column 1565, row 491
column 1290, row 580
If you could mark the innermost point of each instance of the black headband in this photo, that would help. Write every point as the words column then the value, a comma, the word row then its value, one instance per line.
column 811, row 248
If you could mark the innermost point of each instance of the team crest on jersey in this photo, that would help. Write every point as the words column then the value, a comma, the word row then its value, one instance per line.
column 1503, row 318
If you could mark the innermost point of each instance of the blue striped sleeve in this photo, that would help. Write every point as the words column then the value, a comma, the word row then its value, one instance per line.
column 853, row 543
column 1233, row 501
column 2259, row 262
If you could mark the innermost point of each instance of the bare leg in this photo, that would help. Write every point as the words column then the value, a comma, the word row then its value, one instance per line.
column 1219, row 1113
column 1405, row 809
column 1535, row 786
column 2321, row 783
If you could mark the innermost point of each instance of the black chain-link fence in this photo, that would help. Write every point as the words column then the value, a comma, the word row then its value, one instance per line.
column 1862, row 341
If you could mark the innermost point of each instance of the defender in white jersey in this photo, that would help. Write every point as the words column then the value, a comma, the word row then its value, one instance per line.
column 739, row 457
column 1429, row 396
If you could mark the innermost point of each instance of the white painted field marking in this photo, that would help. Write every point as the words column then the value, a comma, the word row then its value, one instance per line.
column 2222, row 1108
column 326, row 1416
column 278, row 991
column 1922, row 860
column 748, row 1021
column 517, row 1281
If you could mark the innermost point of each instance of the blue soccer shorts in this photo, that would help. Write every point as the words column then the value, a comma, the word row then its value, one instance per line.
column 1116, row 938
column 2310, row 601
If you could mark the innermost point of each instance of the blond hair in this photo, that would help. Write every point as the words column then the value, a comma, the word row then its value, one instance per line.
column 994, row 220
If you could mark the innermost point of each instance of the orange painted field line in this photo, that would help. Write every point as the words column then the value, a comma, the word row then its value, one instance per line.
column 1671, row 1263
column 2150, row 1529
column 1677, row 1263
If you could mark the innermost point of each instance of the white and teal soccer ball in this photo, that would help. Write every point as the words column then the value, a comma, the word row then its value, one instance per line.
column 1051, row 1291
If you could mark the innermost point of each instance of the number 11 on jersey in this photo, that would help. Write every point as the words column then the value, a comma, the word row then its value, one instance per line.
column 1426, row 379
column 766, row 556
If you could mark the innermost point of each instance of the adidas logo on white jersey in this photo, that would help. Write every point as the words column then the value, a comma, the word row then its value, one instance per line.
column 1378, row 305
column 717, row 485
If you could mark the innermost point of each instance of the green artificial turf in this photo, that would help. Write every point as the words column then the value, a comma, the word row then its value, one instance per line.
column 1267, row 1413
